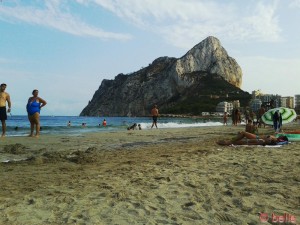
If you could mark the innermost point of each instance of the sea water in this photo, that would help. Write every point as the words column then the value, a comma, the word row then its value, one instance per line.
column 20, row 126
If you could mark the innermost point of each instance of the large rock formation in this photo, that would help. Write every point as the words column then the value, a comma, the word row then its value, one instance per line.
column 205, row 72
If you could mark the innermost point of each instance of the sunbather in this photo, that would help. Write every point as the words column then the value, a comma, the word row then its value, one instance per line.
column 246, row 138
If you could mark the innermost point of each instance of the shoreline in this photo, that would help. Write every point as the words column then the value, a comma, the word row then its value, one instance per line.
column 158, row 176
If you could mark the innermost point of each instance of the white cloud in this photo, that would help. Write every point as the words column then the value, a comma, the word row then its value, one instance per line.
column 295, row 4
column 182, row 22
column 55, row 15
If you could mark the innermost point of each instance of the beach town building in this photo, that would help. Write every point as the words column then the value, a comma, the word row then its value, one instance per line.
column 236, row 104
column 287, row 102
column 224, row 107
column 297, row 100
column 268, row 100
column 297, row 104
column 257, row 94
column 255, row 104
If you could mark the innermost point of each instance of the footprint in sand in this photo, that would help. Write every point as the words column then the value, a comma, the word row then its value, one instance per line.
column 161, row 200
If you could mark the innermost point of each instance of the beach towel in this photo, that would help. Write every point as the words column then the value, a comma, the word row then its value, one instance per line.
column 279, row 144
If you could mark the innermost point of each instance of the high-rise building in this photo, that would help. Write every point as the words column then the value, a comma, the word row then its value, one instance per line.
column 255, row 104
column 297, row 104
column 224, row 107
column 297, row 100
column 287, row 102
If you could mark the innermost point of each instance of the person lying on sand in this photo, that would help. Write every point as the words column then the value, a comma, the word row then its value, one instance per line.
column 246, row 138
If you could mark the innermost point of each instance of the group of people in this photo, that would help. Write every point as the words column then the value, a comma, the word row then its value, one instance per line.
column 33, row 108
column 84, row 124
column 154, row 114
column 134, row 126
column 251, row 136
column 236, row 118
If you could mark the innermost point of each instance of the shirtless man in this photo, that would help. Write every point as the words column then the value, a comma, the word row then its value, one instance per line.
column 4, row 97
column 154, row 114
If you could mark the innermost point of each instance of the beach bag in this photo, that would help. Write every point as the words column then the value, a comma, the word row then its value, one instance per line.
column 282, row 138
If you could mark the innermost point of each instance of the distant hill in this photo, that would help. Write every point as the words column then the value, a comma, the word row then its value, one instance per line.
column 196, row 82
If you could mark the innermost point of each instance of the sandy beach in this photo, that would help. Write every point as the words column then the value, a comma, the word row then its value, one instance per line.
column 159, row 176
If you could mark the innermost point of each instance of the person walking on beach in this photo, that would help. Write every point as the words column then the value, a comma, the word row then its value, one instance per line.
column 154, row 114
column 33, row 107
column 4, row 97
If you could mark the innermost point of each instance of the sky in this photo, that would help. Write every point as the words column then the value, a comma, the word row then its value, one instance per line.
column 65, row 48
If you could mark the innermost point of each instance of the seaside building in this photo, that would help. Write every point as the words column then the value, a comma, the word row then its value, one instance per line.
column 287, row 102
column 257, row 94
column 297, row 100
column 255, row 104
column 224, row 107
column 236, row 104
column 297, row 104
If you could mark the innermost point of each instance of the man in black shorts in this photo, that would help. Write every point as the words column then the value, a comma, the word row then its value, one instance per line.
column 4, row 97
column 154, row 114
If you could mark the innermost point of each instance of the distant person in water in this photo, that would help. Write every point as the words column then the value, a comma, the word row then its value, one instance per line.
column 104, row 123
column 33, row 107
column 4, row 97
column 69, row 123
column 139, row 126
column 154, row 114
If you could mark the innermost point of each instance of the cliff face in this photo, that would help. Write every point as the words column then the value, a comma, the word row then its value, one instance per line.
column 169, row 81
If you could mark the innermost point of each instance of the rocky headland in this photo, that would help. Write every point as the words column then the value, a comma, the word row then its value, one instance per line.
column 196, row 82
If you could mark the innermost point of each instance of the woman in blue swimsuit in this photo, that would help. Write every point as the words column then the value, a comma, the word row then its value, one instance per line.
column 33, row 107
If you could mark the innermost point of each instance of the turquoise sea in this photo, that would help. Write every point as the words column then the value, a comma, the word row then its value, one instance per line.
column 20, row 126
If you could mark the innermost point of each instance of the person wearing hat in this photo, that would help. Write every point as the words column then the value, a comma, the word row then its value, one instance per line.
column 4, row 97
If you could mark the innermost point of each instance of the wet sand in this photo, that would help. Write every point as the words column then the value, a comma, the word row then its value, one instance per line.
column 159, row 176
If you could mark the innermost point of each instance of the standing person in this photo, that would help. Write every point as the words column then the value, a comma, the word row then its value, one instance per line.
column 104, row 123
column 233, row 117
column 261, row 112
column 154, row 114
column 4, row 97
column 225, row 119
column 33, row 107
column 277, row 121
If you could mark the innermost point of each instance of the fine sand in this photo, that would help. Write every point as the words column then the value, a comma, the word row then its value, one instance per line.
column 159, row 176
